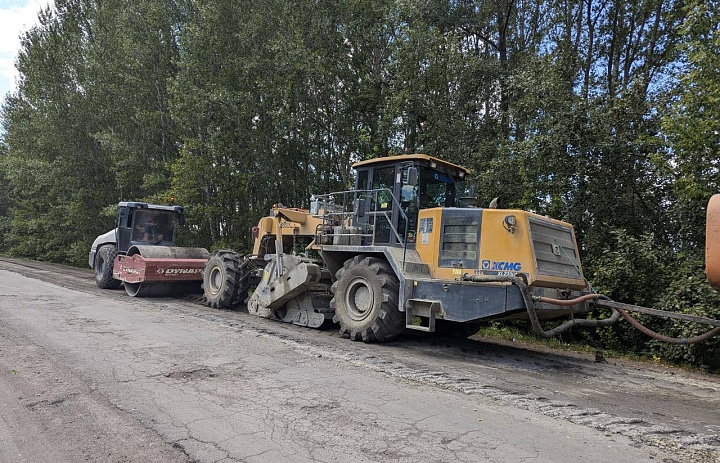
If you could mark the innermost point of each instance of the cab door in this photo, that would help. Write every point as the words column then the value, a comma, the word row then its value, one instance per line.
column 381, row 203
column 407, row 217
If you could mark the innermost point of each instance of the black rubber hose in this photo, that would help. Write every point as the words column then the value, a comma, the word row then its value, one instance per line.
column 530, row 306
column 682, row 341
column 537, row 327
column 521, row 283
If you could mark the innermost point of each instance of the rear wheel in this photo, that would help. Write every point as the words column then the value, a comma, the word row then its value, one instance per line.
column 225, row 279
column 104, row 261
column 366, row 300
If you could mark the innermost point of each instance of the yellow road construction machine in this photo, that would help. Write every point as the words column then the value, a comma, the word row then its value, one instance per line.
column 408, row 249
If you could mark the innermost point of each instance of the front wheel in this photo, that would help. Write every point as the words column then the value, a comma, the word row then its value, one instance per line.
column 225, row 280
column 104, row 261
column 366, row 300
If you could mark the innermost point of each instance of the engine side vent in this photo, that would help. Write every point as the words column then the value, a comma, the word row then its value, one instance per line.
column 460, row 239
column 554, row 250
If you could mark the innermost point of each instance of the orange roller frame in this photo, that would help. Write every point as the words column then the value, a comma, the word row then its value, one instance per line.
column 712, row 242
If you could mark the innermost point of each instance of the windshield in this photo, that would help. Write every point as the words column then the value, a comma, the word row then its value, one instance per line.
column 154, row 226
column 438, row 189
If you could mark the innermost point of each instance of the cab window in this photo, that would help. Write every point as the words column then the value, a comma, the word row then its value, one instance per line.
column 437, row 189
column 153, row 226
column 384, row 180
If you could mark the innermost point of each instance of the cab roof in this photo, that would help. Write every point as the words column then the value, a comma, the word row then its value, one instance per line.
column 409, row 157
column 155, row 207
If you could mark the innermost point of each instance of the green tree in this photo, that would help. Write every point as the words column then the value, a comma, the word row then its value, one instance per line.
column 692, row 122
column 275, row 101
column 89, row 123
column 692, row 125
column 52, row 165
column 132, row 54
column 225, row 118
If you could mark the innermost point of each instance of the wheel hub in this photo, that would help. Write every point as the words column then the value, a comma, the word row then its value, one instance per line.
column 359, row 299
column 216, row 280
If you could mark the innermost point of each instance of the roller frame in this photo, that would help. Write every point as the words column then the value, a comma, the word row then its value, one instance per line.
column 160, row 264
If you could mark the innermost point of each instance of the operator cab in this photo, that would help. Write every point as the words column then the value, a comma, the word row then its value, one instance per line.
column 147, row 224
column 392, row 191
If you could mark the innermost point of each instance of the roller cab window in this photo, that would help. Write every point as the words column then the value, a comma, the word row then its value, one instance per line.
column 153, row 227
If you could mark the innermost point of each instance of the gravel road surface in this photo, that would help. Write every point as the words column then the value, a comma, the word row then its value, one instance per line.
column 93, row 375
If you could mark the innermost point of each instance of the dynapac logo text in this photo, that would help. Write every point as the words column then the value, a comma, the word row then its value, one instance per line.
column 179, row 271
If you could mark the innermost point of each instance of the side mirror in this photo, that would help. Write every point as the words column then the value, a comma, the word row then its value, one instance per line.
column 412, row 177
column 359, row 207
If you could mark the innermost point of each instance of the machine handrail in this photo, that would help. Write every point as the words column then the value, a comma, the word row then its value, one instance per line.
column 343, row 214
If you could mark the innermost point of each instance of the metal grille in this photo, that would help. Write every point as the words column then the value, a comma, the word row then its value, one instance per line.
column 460, row 241
column 554, row 249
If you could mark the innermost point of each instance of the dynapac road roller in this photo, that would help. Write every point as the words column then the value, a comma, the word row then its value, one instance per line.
column 405, row 249
column 141, row 255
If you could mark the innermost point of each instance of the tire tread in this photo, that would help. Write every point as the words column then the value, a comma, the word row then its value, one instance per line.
column 105, row 280
column 388, row 321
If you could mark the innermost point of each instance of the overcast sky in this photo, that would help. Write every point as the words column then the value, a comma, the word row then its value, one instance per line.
column 16, row 17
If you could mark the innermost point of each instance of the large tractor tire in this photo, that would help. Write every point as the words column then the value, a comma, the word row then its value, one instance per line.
column 365, row 300
column 225, row 280
column 104, row 260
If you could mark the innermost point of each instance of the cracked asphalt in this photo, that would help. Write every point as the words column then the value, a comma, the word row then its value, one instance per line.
column 91, row 375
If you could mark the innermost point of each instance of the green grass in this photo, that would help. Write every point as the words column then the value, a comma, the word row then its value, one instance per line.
column 505, row 332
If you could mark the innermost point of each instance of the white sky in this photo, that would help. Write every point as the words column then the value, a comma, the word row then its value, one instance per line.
column 16, row 17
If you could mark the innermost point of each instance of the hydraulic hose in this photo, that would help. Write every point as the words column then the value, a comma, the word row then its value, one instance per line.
column 682, row 341
column 530, row 305
column 529, row 300
column 568, row 302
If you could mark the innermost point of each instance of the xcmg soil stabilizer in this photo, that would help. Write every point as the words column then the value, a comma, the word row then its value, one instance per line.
column 408, row 249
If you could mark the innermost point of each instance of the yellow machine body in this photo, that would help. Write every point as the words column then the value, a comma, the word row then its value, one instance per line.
column 291, row 223
column 510, row 242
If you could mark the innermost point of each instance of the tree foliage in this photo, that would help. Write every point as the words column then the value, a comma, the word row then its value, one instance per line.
column 600, row 113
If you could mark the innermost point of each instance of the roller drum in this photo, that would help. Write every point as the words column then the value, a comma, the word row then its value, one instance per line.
column 168, row 252
column 159, row 271
column 147, row 289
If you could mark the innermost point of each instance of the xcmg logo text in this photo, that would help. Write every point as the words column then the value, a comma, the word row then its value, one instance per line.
column 497, row 266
